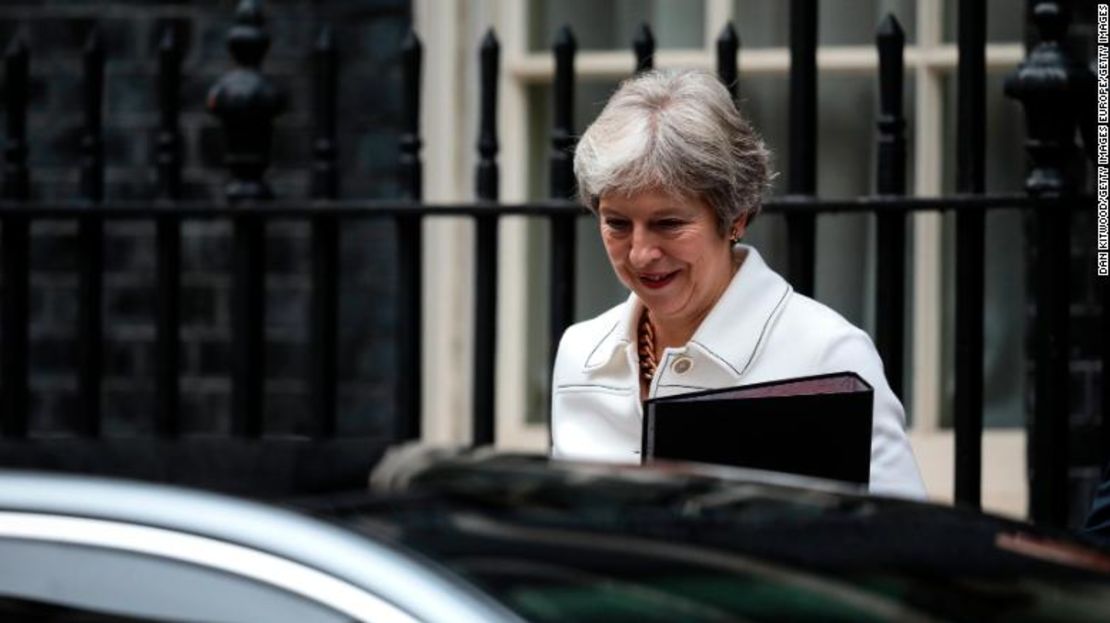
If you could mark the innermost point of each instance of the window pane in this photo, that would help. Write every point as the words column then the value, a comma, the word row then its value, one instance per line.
column 612, row 24
column 847, row 105
column 762, row 24
column 1005, row 20
column 1004, row 356
column 93, row 582
column 596, row 288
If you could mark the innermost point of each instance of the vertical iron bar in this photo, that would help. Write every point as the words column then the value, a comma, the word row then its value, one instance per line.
column 325, row 241
column 168, row 232
column 891, row 180
column 802, row 228
column 970, row 160
column 1052, row 408
column 248, row 324
column 410, row 248
column 1048, row 490
column 644, row 46
column 1047, row 83
column 16, row 248
column 562, row 187
column 728, row 44
column 485, row 318
column 90, row 241
column 246, row 102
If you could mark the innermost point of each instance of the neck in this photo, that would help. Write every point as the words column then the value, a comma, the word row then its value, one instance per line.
column 675, row 332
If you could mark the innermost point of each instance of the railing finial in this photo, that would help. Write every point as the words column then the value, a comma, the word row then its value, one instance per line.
column 1046, row 83
column 248, row 40
column 16, row 94
column 169, row 149
column 92, row 149
column 644, row 46
column 325, row 173
column 412, row 56
column 728, row 44
column 562, row 132
column 891, row 41
column 487, row 181
column 246, row 102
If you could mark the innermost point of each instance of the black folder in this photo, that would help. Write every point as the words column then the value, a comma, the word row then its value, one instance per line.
column 813, row 426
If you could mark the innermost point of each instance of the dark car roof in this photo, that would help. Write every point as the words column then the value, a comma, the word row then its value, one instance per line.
column 562, row 541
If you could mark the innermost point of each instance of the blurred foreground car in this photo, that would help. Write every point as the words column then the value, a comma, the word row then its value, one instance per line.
column 480, row 537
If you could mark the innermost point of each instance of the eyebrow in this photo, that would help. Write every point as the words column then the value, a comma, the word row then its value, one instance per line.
column 670, row 211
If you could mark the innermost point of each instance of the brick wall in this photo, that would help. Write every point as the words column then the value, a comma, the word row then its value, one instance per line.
column 368, row 34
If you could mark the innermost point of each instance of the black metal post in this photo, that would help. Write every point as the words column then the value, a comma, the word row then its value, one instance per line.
column 802, row 228
column 485, row 317
column 248, row 325
column 1044, row 84
column 644, row 46
column 246, row 102
column 410, row 250
column 90, row 241
column 325, row 60
column 563, row 239
column 15, row 247
column 325, row 241
column 169, row 233
column 169, row 154
column 728, row 44
column 970, row 161
column 891, row 180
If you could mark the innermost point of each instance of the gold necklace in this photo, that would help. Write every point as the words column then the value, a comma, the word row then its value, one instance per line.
column 646, row 342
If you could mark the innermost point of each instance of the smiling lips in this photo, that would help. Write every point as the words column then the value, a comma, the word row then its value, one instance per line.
column 654, row 281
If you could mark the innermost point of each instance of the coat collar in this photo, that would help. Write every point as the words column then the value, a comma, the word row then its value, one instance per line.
column 732, row 332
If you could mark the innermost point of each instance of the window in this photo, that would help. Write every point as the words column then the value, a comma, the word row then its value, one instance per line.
column 43, row 579
column 847, row 102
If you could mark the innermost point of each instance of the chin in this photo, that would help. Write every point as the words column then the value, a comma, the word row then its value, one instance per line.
column 659, row 308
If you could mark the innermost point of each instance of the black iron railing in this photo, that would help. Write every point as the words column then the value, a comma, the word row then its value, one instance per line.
column 247, row 104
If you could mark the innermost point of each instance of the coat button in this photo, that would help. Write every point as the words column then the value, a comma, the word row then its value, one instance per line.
column 682, row 365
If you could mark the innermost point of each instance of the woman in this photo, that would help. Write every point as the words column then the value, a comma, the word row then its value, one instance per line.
column 675, row 175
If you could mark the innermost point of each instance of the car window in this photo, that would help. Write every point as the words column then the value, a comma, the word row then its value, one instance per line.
column 67, row 582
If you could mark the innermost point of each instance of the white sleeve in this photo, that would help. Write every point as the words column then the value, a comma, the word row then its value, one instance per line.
column 893, row 467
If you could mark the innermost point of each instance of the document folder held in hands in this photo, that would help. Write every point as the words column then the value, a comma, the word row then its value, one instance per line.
column 814, row 426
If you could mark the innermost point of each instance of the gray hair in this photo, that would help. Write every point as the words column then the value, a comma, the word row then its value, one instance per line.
column 678, row 131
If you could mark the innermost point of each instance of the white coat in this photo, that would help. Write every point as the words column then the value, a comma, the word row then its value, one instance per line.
column 759, row 330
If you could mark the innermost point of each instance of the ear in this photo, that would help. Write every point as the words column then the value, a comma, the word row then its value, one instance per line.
column 738, row 228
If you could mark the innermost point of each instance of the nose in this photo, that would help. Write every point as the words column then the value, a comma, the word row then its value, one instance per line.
column 645, row 248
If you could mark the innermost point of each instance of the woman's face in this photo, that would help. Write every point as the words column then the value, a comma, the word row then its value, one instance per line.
column 668, row 251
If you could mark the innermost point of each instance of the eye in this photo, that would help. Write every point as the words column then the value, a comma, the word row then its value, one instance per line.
column 670, row 223
column 616, row 224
